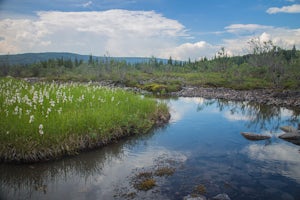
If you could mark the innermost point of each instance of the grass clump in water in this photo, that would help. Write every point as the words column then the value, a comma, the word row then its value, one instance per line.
column 146, row 184
column 48, row 120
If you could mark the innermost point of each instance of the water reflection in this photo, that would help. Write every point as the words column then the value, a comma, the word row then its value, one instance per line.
column 90, row 175
column 257, row 115
column 279, row 153
column 203, row 134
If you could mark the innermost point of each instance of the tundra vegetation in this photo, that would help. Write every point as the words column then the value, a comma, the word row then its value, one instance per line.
column 44, row 121
column 266, row 66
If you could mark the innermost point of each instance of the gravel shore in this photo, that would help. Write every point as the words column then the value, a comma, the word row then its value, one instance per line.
column 286, row 98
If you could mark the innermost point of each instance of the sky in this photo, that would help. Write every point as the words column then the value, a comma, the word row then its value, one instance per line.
column 182, row 29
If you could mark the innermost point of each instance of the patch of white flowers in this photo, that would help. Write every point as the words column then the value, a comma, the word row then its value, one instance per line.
column 35, row 104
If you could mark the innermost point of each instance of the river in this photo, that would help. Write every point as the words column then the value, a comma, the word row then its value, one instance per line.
column 203, row 146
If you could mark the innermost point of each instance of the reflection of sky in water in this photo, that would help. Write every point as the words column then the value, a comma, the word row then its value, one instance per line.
column 181, row 108
column 288, row 155
column 203, row 134
column 237, row 117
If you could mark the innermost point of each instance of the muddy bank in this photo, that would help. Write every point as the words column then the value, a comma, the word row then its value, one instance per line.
column 264, row 96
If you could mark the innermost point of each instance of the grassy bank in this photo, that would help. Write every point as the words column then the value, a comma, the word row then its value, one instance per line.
column 45, row 121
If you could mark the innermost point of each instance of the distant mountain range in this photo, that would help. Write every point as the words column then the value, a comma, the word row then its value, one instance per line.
column 29, row 58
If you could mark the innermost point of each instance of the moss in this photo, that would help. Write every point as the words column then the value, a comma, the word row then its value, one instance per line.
column 199, row 189
column 155, row 88
column 146, row 184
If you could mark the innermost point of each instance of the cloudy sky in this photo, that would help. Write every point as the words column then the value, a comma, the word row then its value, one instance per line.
column 162, row 28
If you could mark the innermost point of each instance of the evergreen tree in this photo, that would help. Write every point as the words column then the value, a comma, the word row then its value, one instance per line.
column 91, row 60
column 170, row 61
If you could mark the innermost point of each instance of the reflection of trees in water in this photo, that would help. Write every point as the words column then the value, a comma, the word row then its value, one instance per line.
column 25, row 179
column 258, row 115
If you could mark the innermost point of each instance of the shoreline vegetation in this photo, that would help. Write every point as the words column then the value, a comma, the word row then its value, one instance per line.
column 46, row 121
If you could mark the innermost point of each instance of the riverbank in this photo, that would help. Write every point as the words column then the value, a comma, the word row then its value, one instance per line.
column 46, row 121
column 285, row 98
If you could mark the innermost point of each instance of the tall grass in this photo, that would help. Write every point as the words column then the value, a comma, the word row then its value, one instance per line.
column 47, row 120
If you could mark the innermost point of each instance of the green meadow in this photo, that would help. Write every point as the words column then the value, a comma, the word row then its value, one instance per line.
column 45, row 121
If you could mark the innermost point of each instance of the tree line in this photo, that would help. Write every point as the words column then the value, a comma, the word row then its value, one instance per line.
column 268, row 63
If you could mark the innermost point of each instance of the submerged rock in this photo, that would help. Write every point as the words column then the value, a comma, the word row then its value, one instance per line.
column 189, row 197
column 223, row 196
column 254, row 136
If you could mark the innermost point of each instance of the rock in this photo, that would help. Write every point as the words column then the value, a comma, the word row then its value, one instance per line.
column 189, row 197
column 288, row 129
column 223, row 196
column 254, row 136
column 291, row 134
column 291, row 137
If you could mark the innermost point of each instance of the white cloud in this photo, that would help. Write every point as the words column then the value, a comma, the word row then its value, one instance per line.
column 128, row 33
column 87, row 4
column 280, row 36
column 242, row 28
column 285, row 9
column 120, row 32
column 193, row 51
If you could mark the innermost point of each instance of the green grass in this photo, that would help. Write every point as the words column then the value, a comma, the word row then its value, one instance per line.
column 48, row 120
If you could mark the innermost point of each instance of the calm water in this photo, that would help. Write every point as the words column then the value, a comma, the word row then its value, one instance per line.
column 202, row 143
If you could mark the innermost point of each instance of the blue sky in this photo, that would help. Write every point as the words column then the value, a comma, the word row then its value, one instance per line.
column 161, row 28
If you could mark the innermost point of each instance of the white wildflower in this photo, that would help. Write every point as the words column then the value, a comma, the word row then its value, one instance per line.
column 112, row 98
column 59, row 110
column 31, row 119
column 70, row 98
column 65, row 99
column 28, row 112
column 52, row 103
column 16, row 111
column 35, row 97
column 41, row 100
column 41, row 131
